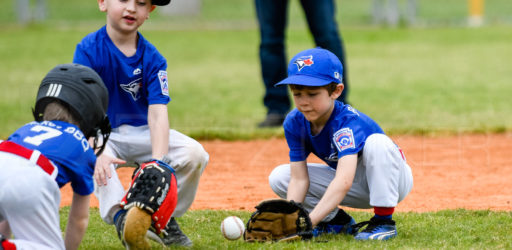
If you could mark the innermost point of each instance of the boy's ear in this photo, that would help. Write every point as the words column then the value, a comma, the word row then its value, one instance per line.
column 102, row 5
column 337, row 92
column 152, row 8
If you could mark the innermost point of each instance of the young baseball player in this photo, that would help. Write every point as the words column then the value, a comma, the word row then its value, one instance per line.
column 44, row 155
column 363, row 167
column 136, row 78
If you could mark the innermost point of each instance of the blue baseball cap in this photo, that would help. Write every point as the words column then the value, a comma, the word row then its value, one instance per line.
column 314, row 67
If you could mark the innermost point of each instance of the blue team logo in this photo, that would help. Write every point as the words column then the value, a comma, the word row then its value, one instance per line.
column 303, row 61
column 133, row 88
column 164, row 85
column 344, row 139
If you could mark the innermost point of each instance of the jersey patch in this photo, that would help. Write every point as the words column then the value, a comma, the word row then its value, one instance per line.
column 133, row 88
column 344, row 139
column 304, row 61
column 164, row 85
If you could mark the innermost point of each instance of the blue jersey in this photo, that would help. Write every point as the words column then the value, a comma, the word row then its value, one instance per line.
column 133, row 82
column 344, row 133
column 66, row 146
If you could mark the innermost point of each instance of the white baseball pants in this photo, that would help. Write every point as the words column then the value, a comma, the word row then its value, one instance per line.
column 133, row 144
column 29, row 201
column 382, row 178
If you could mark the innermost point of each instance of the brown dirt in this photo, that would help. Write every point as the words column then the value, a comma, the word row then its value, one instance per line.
column 461, row 171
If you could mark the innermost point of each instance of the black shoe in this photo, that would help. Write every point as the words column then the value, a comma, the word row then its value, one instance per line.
column 172, row 236
column 119, row 223
column 272, row 120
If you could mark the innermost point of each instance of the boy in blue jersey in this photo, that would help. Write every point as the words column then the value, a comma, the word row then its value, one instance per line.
column 363, row 167
column 135, row 75
column 44, row 155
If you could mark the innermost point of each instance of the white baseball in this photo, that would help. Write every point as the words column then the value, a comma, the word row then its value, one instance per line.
column 232, row 228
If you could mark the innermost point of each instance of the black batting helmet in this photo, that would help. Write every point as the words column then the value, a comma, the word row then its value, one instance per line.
column 82, row 89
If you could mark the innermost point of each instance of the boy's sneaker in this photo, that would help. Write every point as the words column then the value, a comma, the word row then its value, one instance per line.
column 376, row 229
column 173, row 236
column 324, row 228
column 119, row 221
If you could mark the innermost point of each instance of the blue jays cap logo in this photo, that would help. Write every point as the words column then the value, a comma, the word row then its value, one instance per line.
column 304, row 61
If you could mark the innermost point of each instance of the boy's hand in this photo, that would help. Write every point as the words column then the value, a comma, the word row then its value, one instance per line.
column 102, row 169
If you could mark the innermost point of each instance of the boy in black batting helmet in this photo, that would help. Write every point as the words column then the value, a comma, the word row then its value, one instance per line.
column 46, row 154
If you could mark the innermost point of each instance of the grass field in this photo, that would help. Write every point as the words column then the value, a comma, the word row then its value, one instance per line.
column 449, row 229
column 409, row 80
column 438, row 78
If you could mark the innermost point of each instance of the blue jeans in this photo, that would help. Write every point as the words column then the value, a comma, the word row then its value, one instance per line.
column 272, row 17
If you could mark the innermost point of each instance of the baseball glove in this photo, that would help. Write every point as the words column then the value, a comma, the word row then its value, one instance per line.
column 278, row 220
column 153, row 189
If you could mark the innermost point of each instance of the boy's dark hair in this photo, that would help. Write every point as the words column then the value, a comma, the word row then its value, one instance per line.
column 331, row 87
column 60, row 111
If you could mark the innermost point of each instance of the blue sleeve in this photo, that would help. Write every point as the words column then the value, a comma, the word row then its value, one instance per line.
column 81, row 57
column 157, row 82
column 83, row 185
column 296, row 141
column 349, row 139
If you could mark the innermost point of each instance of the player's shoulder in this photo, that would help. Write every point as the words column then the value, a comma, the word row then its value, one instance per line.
column 341, row 109
column 355, row 120
column 150, row 49
column 295, row 117
column 92, row 39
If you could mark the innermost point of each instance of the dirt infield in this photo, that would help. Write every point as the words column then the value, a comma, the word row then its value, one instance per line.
column 463, row 171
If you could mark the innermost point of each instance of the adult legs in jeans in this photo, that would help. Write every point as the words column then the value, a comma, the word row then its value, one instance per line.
column 321, row 18
column 272, row 17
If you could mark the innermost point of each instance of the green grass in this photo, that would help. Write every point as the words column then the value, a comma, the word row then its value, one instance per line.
column 456, row 229
column 439, row 77
column 409, row 80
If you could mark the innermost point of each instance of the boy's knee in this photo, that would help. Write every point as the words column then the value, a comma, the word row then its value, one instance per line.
column 191, row 158
column 198, row 157
column 378, row 143
column 378, row 140
column 279, row 178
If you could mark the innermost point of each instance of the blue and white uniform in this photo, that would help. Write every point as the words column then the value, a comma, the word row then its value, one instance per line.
column 382, row 178
column 135, row 82
column 35, row 161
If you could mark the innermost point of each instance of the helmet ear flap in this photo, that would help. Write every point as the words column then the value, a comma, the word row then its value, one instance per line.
column 102, row 129
column 37, row 115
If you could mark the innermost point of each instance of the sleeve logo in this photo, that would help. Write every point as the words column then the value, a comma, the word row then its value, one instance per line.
column 344, row 139
column 164, row 85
